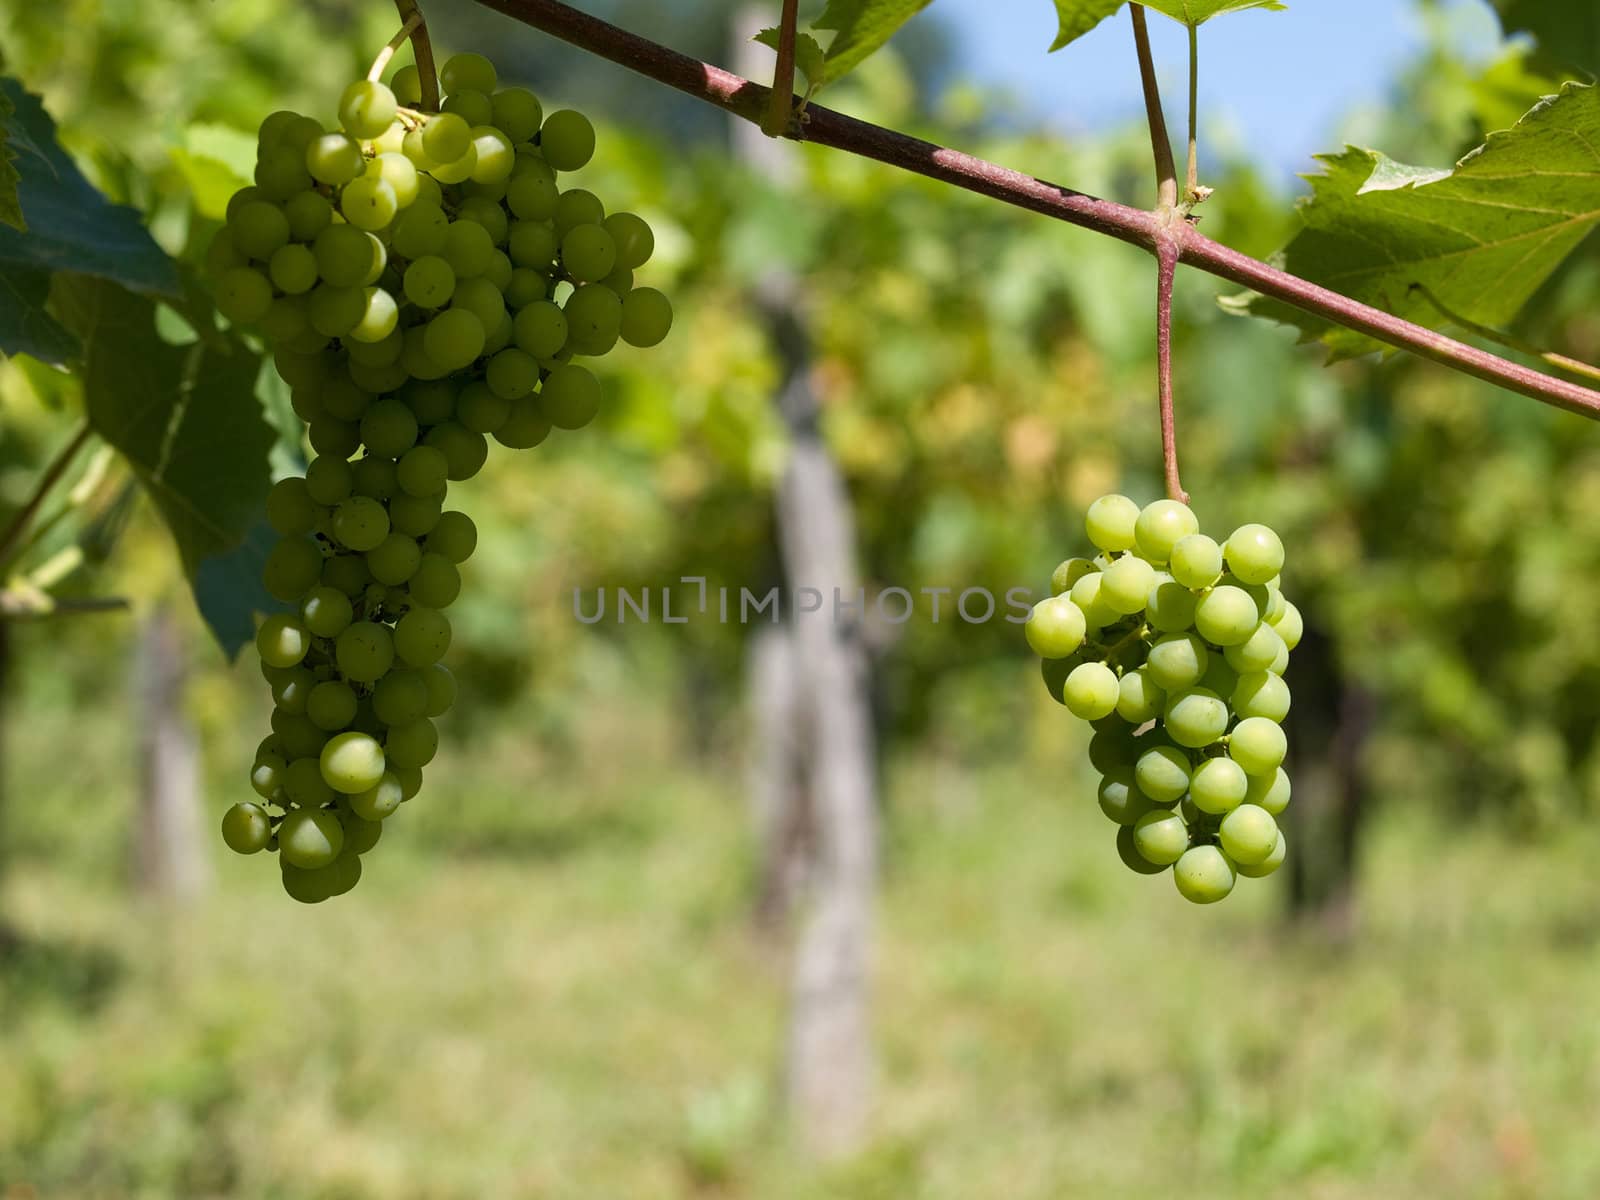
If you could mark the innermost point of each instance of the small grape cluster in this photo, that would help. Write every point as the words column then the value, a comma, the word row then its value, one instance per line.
column 425, row 284
column 1173, row 648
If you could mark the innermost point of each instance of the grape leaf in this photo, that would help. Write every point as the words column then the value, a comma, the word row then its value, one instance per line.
column 1566, row 30
column 229, row 592
column 1075, row 18
column 860, row 28
column 187, row 419
column 1480, row 238
column 10, row 209
column 809, row 58
column 25, row 326
column 71, row 226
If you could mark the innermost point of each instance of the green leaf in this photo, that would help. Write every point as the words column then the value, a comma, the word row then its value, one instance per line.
column 1481, row 238
column 71, row 226
column 188, row 421
column 1567, row 30
column 229, row 592
column 216, row 161
column 25, row 326
column 860, row 28
column 808, row 55
column 1075, row 18
column 10, row 209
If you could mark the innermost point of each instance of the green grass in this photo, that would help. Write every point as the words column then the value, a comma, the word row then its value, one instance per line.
column 547, row 986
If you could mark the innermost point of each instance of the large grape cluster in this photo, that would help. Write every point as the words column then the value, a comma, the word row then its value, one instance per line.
column 425, row 283
column 1173, row 648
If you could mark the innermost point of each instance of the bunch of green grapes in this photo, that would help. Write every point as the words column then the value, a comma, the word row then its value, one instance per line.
column 426, row 284
column 1173, row 648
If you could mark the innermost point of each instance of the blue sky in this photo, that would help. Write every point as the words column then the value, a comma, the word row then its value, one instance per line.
column 1281, row 82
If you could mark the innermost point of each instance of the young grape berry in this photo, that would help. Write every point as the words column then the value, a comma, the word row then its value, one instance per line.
column 426, row 283
column 1174, row 647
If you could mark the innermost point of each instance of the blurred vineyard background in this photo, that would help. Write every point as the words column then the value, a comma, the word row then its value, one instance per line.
column 558, row 985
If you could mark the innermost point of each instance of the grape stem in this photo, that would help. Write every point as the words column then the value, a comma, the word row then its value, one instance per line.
column 1191, row 191
column 1561, row 362
column 1160, row 144
column 781, row 102
column 1166, row 269
column 747, row 100
column 381, row 63
column 18, row 528
column 422, row 48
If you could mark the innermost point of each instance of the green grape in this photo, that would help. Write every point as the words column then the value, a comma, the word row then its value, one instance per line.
column 1128, row 851
column 1219, row 677
column 455, row 537
column 304, row 784
column 1111, row 747
column 335, row 311
column 293, row 269
column 423, row 471
column 266, row 777
column 1218, row 785
column 634, row 241
column 467, row 72
column 429, row 282
column 1226, row 615
column 400, row 173
column 334, row 159
column 620, row 281
column 379, row 319
column 526, row 286
column 329, row 480
column 331, row 705
column 1068, row 573
column 1257, row 652
column 1160, row 837
column 566, row 140
column 407, row 86
column 290, row 691
column 577, row 206
column 282, row 641
column 594, row 319
column 400, row 697
column 435, row 583
column 1055, row 628
column 1091, row 691
column 344, row 256
column 465, row 452
column 458, row 170
column 482, row 299
column 468, row 248
column 1086, row 595
column 300, row 738
column 1162, row 773
column 488, row 214
column 281, row 173
column 570, row 397
column 1268, row 865
column 376, row 477
column 498, row 338
column 420, row 231
column 541, row 329
column 347, row 573
column 258, row 228
column 471, row 106
column 366, row 108
column 1258, row 745
column 421, row 638
column 446, row 137
column 360, row 523
column 369, row 203
column 308, row 213
column 441, row 686
column 239, row 199
column 360, row 833
column 1273, row 613
column 1160, row 526
column 243, row 295
column 454, row 338
column 1269, row 791
column 532, row 244
column 480, row 408
column 378, row 801
column 1196, row 561
column 310, row 838
column 222, row 255
column 1289, row 625
column 394, row 560
column 1195, row 717
column 274, row 125
column 343, row 400
column 1177, row 661
column 1110, row 522
column 1204, row 875
column 352, row 762
column 495, row 153
column 1125, row 585
column 1169, row 608
column 517, row 111
column 290, row 509
column 532, row 197
column 525, row 426
column 285, row 321
column 1261, row 694
column 415, row 516
column 1120, row 797
column 1248, row 834
column 309, row 887
column 410, row 780
column 389, row 428
column 587, row 252
column 245, row 828
column 412, row 745
column 1254, row 553
column 1138, row 698
column 365, row 651
column 334, row 438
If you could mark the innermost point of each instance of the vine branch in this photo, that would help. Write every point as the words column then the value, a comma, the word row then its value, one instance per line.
column 1160, row 143
column 781, row 102
column 825, row 127
column 58, row 467
column 422, row 47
